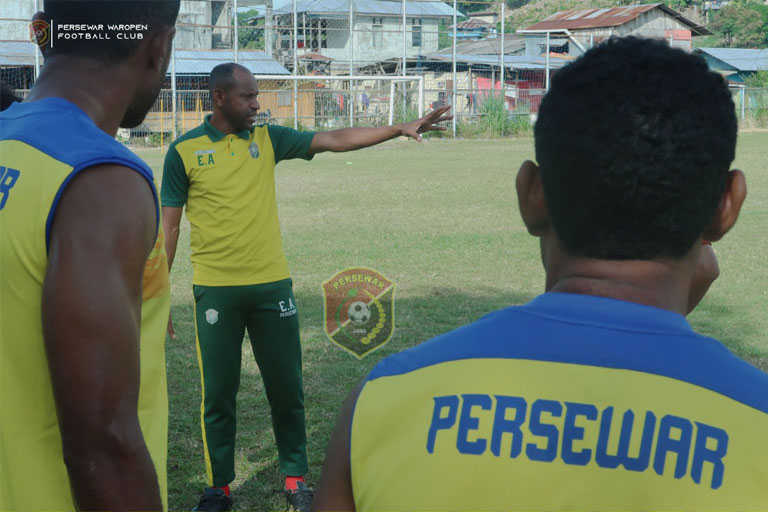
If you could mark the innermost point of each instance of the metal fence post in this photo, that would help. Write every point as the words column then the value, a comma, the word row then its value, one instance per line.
column 453, row 70
column 405, row 38
column 36, row 49
column 351, row 103
column 546, row 67
column 295, row 67
column 236, row 42
column 173, row 90
column 501, row 56
column 743, row 103
column 421, row 96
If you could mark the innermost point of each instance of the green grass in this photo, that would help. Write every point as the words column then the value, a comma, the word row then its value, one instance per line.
column 440, row 219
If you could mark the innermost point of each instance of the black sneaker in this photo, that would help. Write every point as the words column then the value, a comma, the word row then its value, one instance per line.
column 214, row 500
column 300, row 499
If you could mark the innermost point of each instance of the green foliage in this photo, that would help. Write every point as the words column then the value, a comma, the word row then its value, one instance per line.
column 742, row 24
column 250, row 38
column 496, row 121
column 759, row 79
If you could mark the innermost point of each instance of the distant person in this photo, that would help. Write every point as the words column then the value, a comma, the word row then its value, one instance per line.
column 84, row 295
column 7, row 96
column 596, row 395
column 223, row 171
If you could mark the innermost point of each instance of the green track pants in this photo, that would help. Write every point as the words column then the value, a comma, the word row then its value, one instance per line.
column 268, row 311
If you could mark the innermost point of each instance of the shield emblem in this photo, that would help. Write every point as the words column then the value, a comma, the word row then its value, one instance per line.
column 254, row 150
column 359, row 310
column 211, row 316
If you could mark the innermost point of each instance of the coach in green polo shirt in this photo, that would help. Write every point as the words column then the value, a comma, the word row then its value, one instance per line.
column 223, row 172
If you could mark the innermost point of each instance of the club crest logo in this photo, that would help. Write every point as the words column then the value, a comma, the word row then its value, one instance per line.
column 254, row 150
column 40, row 32
column 359, row 310
column 211, row 316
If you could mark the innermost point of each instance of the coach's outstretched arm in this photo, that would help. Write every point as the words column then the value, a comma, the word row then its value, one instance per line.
column 349, row 139
column 103, row 231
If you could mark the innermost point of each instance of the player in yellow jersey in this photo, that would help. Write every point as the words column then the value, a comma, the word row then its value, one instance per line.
column 597, row 395
column 84, row 295
column 223, row 172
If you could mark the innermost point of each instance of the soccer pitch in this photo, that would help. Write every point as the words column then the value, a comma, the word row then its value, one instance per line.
column 439, row 219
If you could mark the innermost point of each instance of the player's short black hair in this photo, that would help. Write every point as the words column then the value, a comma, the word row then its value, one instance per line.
column 153, row 14
column 7, row 96
column 223, row 76
column 634, row 140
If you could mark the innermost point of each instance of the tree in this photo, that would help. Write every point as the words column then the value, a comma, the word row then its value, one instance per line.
column 742, row 24
column 250, row 38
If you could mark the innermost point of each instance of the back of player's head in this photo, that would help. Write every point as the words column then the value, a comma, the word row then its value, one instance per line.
column 634, row 141
column 7, row 96
column 153, row 14
column 223, row 76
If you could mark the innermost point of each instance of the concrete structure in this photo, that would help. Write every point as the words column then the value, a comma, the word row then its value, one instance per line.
column 590, row 26
column 735, row 64
column 376, row 35
column 490, row 16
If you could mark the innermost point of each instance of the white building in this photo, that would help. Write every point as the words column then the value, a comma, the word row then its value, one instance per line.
column 376, row 35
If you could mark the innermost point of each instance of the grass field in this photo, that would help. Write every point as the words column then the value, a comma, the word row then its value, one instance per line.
column 440, row 219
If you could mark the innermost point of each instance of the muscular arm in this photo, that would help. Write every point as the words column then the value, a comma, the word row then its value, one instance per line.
column 334, row 492
column 349, row 139
column 171, row 221
column 103, row 230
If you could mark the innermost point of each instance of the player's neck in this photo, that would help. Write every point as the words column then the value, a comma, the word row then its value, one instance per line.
column 663, row 284
column 219, row 122
column 101, row 95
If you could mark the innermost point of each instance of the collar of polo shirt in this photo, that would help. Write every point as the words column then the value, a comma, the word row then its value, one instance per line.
column 215, row 134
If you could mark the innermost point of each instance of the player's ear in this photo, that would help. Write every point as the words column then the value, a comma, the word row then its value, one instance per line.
column 730, row 205
column 530, row 198
column 158, row 49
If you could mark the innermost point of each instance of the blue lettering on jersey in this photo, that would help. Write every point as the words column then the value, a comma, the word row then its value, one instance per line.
column 677, row 439
column 501, row 425
column 538, row 428
column 468, row 422
column 573, row 433
column 622, row 458
column 8, row 178
column 440, row 422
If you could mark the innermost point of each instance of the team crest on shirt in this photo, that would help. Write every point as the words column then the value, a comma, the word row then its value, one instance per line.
column 359, row 310
column 253, row 149
column 211, row 316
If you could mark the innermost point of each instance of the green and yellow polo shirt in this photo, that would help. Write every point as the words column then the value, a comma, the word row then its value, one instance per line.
column 227, row 182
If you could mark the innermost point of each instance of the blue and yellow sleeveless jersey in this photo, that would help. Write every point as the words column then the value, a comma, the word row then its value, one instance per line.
column 43, row 145
column 568, row 403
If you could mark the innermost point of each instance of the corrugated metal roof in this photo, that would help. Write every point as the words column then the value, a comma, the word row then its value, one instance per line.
column 195, row 62
column 579, row 19
column 742, row 59
column 378, row 7
column 512, row 44
column 471, row 24
column 510, row 61
column 17, row 53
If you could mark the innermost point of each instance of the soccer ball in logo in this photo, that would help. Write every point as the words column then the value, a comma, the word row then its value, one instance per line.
column 358, row 312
